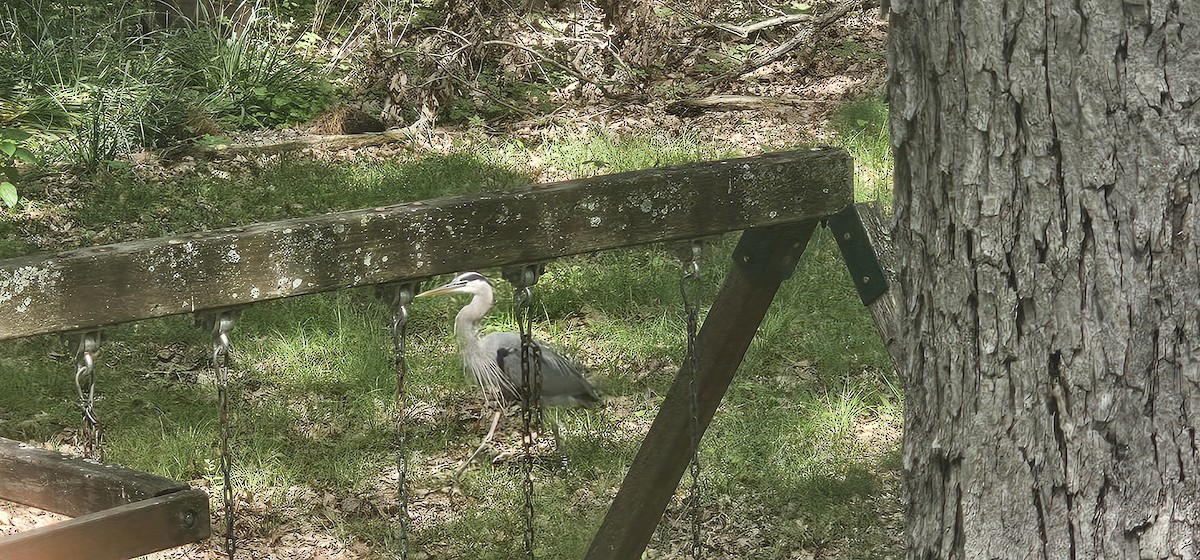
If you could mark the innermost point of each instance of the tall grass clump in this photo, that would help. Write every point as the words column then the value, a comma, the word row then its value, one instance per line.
column 254, row 76
column 93, row 83
column 73, row 85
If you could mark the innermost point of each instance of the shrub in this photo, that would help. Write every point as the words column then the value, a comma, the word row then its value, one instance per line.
column 254, row 76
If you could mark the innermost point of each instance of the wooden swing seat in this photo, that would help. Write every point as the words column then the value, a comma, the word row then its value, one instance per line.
column 116, row 513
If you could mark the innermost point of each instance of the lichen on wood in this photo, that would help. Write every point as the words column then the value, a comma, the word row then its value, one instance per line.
column 98, row 286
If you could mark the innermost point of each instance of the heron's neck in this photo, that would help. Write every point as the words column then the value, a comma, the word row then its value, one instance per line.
column 466, row 324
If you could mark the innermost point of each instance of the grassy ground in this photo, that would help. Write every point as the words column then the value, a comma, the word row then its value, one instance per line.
column 801, row 459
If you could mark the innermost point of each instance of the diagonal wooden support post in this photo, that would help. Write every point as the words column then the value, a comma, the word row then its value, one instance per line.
column 764, row 258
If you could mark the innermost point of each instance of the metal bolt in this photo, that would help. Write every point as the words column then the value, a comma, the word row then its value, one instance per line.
column 866, row 279
column 189, row 519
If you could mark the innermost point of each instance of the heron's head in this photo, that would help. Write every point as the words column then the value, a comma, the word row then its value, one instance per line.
column 465, row 283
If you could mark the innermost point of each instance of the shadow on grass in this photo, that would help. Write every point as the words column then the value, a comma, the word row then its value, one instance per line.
column 319, row 419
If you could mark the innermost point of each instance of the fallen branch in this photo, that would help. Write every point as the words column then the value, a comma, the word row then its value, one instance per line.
column 745, row 31
column 324, row 141
column 539, row 57
column 825, row 20
column 695, row 106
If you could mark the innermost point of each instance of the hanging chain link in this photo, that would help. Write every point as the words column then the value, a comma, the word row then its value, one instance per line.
column 400, row 298
column 531, row 385
column 91, row 434
column 222, row 323
column 689, row 286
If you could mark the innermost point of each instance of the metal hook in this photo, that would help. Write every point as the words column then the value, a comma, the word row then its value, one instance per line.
column 690, row 254
column 85, row 363
column 524, row 276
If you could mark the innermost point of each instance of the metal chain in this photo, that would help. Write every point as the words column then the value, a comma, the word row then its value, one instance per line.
column 91, row 435
column 531, row 385
column 689, row 286
column 222, row 323
column 401, row 297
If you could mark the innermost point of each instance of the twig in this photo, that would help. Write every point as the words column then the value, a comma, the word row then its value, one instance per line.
column 538, row 56
column 695, row 106
column 579, row 75
column 745, row 31
column 448, row 31
column 323, row 141
column 825, row 20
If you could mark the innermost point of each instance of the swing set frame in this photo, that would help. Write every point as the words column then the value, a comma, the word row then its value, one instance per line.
column 776, row 199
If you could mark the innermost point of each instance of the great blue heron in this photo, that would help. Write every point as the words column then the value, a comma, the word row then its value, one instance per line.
column 495, row 360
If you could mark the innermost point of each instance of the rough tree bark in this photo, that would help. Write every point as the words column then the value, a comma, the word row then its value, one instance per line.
column 1046, row 223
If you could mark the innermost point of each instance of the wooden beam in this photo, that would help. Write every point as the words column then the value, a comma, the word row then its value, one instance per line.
column 94, row 287
column 118, row 512
column 888, row 309
column 763, row 259
column 72, row 486
column 126, row 531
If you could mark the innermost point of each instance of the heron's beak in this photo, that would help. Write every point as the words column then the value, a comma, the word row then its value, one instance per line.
column 452, row 287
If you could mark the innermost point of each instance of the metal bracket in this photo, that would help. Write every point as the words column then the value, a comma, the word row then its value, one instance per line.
column 772, row 251
column 524, row 276
column 212, row 320
column 397, row 294
column 860, row 256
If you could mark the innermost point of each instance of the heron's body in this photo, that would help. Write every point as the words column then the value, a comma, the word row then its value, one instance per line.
column 494, row 361
column 563, row 383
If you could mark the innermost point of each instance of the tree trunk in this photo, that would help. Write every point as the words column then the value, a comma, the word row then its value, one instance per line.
column 1046, row 176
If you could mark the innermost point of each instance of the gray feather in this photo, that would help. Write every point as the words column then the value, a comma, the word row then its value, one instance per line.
column 563, row 383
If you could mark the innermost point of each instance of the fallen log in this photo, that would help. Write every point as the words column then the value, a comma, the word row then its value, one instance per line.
column 695, row 106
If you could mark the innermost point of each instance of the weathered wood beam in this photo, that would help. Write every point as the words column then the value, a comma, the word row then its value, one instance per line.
column 763, row 259
column 118, row 512
column 122, row 532
column 99, row 286
column 888, row 309
column 72, row 486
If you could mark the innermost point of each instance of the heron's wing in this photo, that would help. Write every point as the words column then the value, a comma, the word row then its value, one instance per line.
column 489, row 375
column 563, row 383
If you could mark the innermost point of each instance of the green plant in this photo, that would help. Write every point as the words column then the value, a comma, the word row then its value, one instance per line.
column 862, row 128
column 254, row 77
column 96, row 85
column 77, row 78
column 12, row 151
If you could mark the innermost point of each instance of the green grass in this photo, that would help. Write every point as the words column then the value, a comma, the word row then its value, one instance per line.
column 94, row 84
column 801, row 453
column 117, row 207
column 863, row 130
